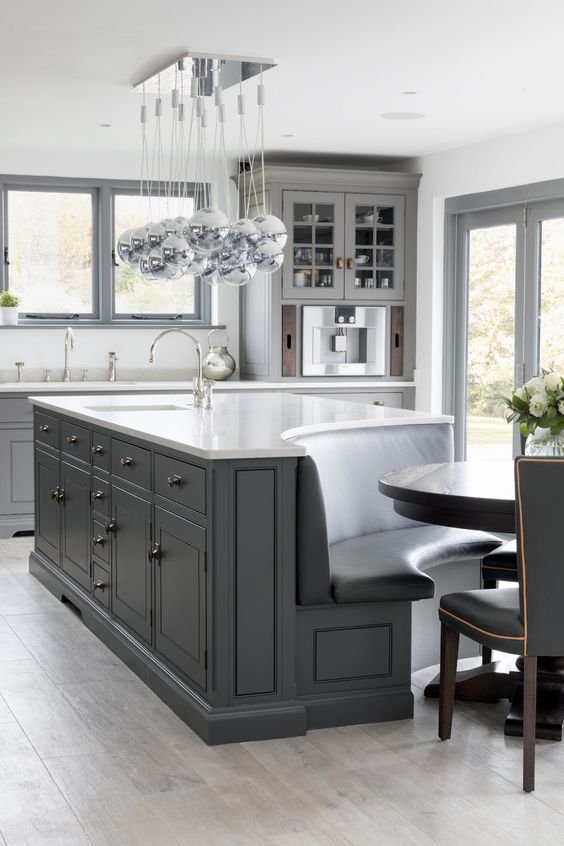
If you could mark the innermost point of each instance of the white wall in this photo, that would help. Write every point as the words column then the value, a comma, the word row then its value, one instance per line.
column 43, row 348
column 514, row 160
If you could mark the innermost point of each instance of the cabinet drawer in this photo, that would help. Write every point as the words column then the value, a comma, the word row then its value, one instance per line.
column 181, row 482
column 100, row 451
column 47, row 429
column 100, row 496
column 100, row 540
column 101, row 585
column 131, row 463
column 75, row 441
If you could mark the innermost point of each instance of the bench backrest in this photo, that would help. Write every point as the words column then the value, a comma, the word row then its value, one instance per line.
column 338, row 495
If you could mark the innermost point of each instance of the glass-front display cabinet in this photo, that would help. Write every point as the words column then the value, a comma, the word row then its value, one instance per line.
column 344, row 246
column 314, row 259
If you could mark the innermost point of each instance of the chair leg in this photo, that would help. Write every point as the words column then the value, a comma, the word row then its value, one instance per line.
column 489, row 584
column 449, row 656
column 529, row 721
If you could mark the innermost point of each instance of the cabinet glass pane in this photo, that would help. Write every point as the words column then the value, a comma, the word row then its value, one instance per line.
column 385, row 215
column 384, row 279
column 303, row 235
column 302, row 278
column 364, row 214
column 303, row 256
column 324, row 257
column 363, row 258
column 323, row 234
column 323, row 278
column 325, row 212
column 364, row 237
column 384, row 258
column 384, row 237
column 364, row 279
column 303, row 212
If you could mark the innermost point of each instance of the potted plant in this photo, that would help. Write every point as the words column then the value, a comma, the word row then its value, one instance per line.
column 538, row 407
column 9, row 306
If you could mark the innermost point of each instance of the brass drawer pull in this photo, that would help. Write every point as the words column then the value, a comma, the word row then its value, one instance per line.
column 340, row 263
column 96, row 495
column 126, row 462
column 99, row 585
column 111, row 526
column 97, row 450
column 97, row 540
column 350, row 264
column 72, row 439
column 155, row 552
column 44, row 428
column 378, row 402
column 175, row 482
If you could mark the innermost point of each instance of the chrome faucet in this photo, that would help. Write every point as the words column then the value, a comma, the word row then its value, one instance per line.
column 69, row 347
column 199, row 392
column 112, row 372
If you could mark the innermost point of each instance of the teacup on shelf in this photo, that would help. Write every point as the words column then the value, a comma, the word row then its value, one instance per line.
column 311, row 218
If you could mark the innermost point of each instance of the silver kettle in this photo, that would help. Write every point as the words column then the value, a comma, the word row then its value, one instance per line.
column 218, row 363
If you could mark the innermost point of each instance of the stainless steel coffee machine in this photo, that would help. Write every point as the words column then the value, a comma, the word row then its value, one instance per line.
column 344, row 341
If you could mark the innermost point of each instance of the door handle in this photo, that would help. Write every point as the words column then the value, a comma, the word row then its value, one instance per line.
column 340, row 263
column 175, row 481
column 98, row 585
column 95, row 495
column 98, row 540
column 155, row 552
column 126, row 462
column 97, row 450
column 350, row 264
column 72, row 439
column 111, row 526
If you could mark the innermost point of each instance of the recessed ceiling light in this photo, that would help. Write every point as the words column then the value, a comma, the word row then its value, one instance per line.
column 409, row 92
column 402, row 115
column 287, row 135
column 105, row 125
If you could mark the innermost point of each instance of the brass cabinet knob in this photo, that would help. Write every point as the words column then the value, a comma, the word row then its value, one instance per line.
column 97, row 540
column 96, row 495
column 98, row 585
column 350, row 264
column 378, row 402
column 44, row 428
column 72, row 439
column 111, row 526
column 126, row 462
column 175, row 481
column 340, row 263
column 97, row 450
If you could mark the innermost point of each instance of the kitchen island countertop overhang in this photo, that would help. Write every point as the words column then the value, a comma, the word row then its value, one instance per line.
column 250, row 425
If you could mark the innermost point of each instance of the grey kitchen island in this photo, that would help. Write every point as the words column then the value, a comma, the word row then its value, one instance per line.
column 173, row 530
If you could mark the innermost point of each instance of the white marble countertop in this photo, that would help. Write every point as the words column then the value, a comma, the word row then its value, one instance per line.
column 228, row 385
column 241, row 425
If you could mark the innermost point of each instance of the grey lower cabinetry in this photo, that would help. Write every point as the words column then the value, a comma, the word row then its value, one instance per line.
column 75, row 523
column 16, row 466
column 131, row 564
column 47, row 511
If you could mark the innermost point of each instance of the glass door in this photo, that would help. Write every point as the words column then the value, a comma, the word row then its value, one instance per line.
column 313, row 265
column 489, row 348
column 375, row 247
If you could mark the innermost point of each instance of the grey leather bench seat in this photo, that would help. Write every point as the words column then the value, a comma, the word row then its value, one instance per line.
column 389, row 566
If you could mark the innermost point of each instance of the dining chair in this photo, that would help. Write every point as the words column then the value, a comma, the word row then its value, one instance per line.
column 525, row 620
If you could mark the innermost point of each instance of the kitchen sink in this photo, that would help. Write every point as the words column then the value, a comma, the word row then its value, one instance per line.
column 138, row 407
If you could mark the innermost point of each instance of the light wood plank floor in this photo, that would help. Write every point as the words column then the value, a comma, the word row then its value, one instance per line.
column 88, row 755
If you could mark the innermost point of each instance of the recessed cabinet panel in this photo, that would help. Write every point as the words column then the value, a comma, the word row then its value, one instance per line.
column 131, row 463
column 375, row 246
column 48, row 512
column 16, row 459
column 75, row 526
column 75, row 441
column 131, row 566
column 180, row 607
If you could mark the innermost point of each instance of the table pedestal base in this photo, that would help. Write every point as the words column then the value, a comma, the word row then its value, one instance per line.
column 501, row 680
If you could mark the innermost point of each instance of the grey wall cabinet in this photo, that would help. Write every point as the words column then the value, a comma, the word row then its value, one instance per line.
column 352, row 238
column 131, row 562
column 180, row 593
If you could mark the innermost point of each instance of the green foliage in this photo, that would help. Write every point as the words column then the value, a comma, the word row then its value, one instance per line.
column 8, row 300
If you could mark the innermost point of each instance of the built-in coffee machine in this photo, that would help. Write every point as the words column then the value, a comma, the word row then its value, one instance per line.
column 344, row 340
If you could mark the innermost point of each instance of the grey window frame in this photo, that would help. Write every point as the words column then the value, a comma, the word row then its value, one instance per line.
column 531, row 204
column 103, row 256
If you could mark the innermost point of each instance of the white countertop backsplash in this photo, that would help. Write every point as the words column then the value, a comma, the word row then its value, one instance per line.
column 241, row 425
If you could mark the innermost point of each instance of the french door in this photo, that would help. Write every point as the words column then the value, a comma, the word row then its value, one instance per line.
column 508, row 317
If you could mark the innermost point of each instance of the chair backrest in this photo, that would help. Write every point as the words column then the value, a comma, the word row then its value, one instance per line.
column 539, row 518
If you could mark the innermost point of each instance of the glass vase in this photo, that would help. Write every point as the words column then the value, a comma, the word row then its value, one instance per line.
column 542, row 442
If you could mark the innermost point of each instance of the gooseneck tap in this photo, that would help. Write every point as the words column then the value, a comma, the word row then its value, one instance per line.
column 199, row 392
column 69, row 347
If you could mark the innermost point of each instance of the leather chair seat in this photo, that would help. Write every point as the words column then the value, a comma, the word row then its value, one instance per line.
column 501, row 564
column 494, row 615
column 387, row 566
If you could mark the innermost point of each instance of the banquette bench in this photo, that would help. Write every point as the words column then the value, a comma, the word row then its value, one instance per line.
column 360, row 566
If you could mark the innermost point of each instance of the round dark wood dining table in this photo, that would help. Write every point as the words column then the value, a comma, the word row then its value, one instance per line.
column 479, row 495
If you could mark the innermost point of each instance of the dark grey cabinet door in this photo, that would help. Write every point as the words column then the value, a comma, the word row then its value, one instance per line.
column 131, row 567
column 75, row 524
column 180, row 606
column 48, row 510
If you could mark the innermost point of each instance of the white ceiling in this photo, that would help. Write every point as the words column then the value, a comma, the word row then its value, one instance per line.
column 481, row 69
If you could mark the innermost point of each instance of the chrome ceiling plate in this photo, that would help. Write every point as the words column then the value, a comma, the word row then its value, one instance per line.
column 234, row 69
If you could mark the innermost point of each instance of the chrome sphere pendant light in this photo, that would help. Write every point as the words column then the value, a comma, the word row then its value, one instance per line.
column 212, row 243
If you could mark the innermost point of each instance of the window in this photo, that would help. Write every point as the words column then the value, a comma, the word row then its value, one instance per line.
column 505, row 302
column 50, row 251
column 58, row 238
column 143, row 298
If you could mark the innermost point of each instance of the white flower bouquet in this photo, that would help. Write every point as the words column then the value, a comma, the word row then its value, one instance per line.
column 539, row 404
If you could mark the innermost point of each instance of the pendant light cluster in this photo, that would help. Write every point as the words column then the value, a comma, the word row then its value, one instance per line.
column 210, row 243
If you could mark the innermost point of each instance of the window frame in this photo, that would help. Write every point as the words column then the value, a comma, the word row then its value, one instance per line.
column 103, row 256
